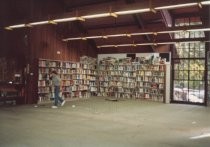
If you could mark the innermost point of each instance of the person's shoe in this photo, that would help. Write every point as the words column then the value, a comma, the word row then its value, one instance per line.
column 54, row 107
column 62, row 104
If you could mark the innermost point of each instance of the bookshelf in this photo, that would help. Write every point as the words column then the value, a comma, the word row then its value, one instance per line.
column 126, row 78
column 78, row 79
column 208, row 78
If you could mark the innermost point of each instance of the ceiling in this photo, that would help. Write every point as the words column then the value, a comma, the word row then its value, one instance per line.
column 162, row 19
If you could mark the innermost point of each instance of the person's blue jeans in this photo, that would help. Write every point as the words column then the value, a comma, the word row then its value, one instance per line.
column 57, row 97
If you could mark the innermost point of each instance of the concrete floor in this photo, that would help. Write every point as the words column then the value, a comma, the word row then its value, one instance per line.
column 99, row 123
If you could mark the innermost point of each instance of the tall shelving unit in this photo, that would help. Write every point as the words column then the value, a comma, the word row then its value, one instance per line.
column 150, row 81
column 126, row 79
column 208, row 78
column 78, row 79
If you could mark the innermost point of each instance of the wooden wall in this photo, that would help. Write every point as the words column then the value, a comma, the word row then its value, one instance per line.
column 26, row 45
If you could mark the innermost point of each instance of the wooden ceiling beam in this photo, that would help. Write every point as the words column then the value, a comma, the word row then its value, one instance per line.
column 134, row 29
column 83, row 30
column 165, row 41
column 141, row 25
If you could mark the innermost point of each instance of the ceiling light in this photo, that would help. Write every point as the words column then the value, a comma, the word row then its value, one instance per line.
column 84, row 38
column 166, row 43
column 38, row 23
column 76, row 38
column 17, row 26
column 176, row 6
column 104, row 46
column 142, row 44
column 145, row 33
column 65, row 19
column 93, row 37
column 132, row 11
column 166, row 32
column 122, row 45
column 203, row 29
column 96, row 15
column 205, row 2
column 116, row 35
column 8, row 28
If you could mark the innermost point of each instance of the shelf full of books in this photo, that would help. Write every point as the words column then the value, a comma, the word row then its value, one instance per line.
column 78, row 79
column 208, row 78
column 127, row 78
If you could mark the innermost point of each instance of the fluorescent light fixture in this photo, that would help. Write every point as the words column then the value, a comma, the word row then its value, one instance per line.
column 69, row 39
column 122, row 45
column 205, row 2
column 93, row 37
column 17, row 26
column 176, row 6
column 8, row 28
column 145, row 33
column 166, row 32
column 203, row 29
column 38, row 23
column 142, row 44
column 96, row 15
column 132, row 11
column 105, row 46
column 116, row 35
column 66, row 19
column 166, row 43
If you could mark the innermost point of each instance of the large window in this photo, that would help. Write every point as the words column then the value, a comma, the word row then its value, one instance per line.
column 189, row 65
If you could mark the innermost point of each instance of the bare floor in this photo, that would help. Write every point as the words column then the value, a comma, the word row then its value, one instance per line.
column 99, row 123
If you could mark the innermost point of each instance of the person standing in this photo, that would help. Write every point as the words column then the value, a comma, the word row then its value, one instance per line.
column 56, row 82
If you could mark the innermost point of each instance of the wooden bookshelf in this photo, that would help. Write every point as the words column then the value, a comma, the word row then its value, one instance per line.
column 132, row 80
column 78, row 79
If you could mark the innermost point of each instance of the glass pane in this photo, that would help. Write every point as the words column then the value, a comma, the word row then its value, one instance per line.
column 196, row 75
column 176, row 74
column 196, row 91
column 180, row 90
column 202, row 53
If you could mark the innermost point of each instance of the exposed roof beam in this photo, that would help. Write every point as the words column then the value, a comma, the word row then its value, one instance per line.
column 107, row 26
column 157, row 42
column 83, row 30
column 129, row 30
column 184, row 15
column 140, row 24
column 86, row 3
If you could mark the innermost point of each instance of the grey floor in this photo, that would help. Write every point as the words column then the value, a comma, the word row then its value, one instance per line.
column 99, row 123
